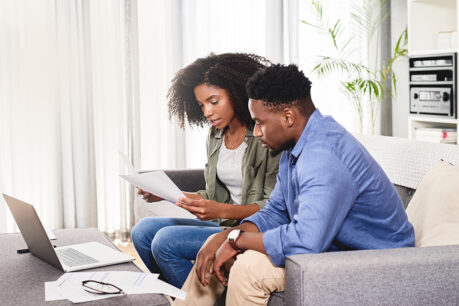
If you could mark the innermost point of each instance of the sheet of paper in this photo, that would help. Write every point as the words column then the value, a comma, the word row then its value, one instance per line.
column 168, row 209
column 52, row 292
column 157, row 183
column 162, row 287
column 68, row 286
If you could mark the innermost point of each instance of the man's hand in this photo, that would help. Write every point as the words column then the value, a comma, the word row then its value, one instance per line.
column 224, row 253
column 202, row 208
column 148, row 196
column 206, row 256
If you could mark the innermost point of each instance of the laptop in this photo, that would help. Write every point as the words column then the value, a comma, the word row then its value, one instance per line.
column 69, row 258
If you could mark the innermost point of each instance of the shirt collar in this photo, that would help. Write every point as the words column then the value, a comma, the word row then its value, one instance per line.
column 248, row 132
column 298, row 148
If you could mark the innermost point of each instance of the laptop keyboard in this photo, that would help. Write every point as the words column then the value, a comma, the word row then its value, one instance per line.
column 72, row 257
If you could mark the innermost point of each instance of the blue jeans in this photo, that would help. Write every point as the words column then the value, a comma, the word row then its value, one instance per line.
column 167, row 245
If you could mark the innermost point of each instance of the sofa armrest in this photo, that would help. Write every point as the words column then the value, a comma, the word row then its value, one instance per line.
column 404, row 276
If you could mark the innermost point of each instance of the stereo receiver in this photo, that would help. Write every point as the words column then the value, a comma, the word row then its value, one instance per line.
column 433, row 85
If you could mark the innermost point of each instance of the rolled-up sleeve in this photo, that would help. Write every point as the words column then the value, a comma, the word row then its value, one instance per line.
column 326, row 193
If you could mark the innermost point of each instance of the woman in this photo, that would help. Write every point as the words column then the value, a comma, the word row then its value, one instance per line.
column 240, row 174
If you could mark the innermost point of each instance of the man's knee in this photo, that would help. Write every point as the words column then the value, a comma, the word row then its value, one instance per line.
column 255, row 269
column 246, row 264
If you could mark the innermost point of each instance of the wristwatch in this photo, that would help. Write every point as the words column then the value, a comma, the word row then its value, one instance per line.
column 232, row 238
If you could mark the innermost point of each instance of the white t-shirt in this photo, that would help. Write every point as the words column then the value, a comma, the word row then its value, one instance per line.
column 229, row 169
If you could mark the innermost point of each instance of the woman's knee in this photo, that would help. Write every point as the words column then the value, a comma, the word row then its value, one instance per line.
column 147, row 228
column 139, row 231
column 165, row 242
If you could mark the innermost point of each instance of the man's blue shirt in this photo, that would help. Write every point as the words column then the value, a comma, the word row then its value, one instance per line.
column 330, row 195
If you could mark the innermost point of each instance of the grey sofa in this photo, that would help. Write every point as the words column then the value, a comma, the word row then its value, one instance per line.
column 406, row 276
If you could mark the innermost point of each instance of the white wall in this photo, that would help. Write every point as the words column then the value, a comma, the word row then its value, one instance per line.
column 400, row 103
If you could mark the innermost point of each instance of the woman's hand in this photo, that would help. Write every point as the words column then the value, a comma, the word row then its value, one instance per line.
column 193, row 196
column 206, row 256
column 148, row 196
column 202, row 208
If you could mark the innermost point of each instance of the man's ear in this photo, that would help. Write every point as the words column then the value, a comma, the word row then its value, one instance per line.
column 288, row 117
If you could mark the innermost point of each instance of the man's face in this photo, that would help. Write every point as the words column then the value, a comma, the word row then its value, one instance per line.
column 269, row 127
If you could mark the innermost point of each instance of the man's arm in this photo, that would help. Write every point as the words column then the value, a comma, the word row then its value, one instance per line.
column 246, row 240
column 207, row 253
column 327, row 192
column 273, row 215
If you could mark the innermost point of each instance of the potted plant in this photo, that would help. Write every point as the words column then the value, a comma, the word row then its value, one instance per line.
column 366, row 83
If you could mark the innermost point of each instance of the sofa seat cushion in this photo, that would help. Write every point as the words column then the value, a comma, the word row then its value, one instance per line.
column 434, row 209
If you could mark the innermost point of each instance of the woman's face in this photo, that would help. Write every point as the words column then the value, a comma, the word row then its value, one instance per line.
column 215, row 105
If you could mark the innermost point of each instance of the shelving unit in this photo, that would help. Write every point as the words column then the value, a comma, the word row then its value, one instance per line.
column 427, row 18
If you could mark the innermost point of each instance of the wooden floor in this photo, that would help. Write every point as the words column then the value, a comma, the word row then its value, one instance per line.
column 128, row 248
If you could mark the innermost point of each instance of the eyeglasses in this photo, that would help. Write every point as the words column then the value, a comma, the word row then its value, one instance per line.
column 97, row 287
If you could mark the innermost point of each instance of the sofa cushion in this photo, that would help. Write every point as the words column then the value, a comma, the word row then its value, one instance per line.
column 434, row 208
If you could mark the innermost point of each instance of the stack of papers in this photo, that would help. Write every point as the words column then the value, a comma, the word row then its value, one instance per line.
column 69, row 286
column 436, row 134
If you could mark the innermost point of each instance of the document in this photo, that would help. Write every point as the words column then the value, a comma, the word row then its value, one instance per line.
column 159, row 184
column 69, row 286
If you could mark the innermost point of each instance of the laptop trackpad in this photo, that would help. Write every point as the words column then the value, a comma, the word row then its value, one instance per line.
column 91, row 253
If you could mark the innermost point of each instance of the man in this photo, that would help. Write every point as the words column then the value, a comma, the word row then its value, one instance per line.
column 330, row 195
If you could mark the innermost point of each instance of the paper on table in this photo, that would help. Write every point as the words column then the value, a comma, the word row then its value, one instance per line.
column 52, row 293
column 162, row 287
column 68, row 286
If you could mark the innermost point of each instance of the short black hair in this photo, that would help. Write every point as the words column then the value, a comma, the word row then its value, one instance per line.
column 229, row 71
column 279, row 86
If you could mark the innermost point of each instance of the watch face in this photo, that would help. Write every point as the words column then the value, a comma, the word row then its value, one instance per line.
column 234, row 234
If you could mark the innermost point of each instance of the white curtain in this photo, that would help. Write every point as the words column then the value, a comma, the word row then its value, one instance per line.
column 66, row 101
column 81, row 80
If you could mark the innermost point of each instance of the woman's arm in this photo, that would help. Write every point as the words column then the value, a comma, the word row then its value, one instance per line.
column 238, row 212
column 208, row 209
